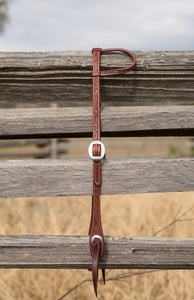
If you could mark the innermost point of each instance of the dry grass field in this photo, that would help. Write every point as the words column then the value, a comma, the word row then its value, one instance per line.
column 138, row 215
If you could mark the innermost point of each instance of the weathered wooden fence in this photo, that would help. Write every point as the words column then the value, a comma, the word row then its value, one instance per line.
column 156, row 99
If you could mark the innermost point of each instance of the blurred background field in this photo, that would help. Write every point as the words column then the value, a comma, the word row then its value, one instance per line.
column 147, row 147
column 136, row 215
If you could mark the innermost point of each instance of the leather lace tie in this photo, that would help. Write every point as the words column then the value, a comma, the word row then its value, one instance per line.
column 97, row 153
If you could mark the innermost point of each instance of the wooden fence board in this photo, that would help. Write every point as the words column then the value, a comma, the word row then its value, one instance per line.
column 73, row 252
column 64, row 77
column 116, row 121
column 25, row 178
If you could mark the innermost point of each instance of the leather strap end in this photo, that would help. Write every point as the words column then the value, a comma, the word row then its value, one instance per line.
column 96, row 49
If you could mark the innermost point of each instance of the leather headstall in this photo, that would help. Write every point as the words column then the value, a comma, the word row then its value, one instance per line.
column 96, row 152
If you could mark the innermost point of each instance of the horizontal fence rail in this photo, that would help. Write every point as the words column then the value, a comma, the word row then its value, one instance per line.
column 73, row 252
column 116, row 121
column 161, row 77
column 25, row 178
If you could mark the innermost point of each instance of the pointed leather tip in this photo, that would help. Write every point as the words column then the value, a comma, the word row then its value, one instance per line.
column 95, row 290
column 103, row 275
column 95, row 261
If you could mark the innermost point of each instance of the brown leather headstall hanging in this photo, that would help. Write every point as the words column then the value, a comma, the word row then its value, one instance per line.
column 96, row 152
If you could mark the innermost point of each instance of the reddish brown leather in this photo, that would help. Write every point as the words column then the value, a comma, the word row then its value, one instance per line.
column 120, row 71
column 95, row 263
column 96, row 226
column 97, row 247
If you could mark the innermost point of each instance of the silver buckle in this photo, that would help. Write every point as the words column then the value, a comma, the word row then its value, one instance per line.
column 90, row 150
column 96, row 237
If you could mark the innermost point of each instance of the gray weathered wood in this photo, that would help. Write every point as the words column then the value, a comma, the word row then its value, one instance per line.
column 64, row 77
column 23, row 178
column 54, row 142
column 73, row 252
column 21, row 142
column 116, row 121
column 24, row 154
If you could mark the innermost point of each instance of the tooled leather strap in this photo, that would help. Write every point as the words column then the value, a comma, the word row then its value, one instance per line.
column 96, row 226
column 96, row 240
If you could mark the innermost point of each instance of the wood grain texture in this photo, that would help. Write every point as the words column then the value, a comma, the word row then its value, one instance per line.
column 115, row 121
column 64, row 77
column 73, row 252
column 23, row 178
